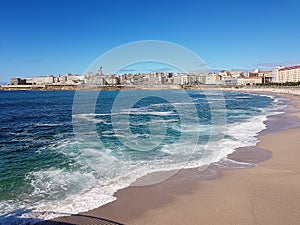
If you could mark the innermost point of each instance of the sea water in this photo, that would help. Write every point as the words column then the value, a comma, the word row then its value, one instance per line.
column 57, row 156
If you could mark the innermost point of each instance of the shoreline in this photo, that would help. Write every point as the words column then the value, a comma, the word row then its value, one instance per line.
column 272, row 89
column 127, row 209
column 265, row 194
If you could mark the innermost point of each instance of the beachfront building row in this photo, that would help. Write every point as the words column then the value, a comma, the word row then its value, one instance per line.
column 277, row 75
column 224, row 77
column 68, row 79
column 139, row 79
column 286, row 74
column 167, row 78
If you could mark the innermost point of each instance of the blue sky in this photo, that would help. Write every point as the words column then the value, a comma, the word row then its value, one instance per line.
column 54, row 37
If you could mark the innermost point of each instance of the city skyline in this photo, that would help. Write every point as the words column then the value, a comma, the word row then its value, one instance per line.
column 56, row 37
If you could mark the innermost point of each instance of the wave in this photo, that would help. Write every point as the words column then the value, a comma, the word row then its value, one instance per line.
column 58, row 182
column 49, row 124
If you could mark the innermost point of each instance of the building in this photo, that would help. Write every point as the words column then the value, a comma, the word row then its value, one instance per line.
column 89, row 74
column 258, row 76
column 60, row 79
column 227, row 82
column 17, row 81
column 96, row 81
column 275, row 73
column 212, row 78
column 112, row 80
column 224, row 73
column 250, row 80
column 40, row 80
column 75, row 79
column 288, row 74
column 266, row 76
column 184, row 79
column 236, row 73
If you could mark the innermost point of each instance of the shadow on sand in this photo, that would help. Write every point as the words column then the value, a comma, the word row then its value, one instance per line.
column 75, row 219
column 79, row 219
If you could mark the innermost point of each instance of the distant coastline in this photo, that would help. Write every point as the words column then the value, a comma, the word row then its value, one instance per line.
column 279, row 76
column 269, row 88
column 87, row 87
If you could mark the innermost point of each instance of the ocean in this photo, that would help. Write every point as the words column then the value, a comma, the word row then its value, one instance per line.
column 64, row 152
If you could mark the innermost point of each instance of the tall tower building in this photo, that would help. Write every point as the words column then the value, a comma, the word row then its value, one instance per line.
column 100, row 72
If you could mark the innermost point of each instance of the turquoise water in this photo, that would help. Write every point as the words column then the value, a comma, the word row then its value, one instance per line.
column 62, row 152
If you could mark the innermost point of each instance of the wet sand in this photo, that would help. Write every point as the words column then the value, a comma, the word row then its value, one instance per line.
column 268, row 193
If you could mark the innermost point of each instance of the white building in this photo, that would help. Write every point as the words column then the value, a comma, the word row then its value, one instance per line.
column 40, row 80
column 250, row 80
column 288, row 74
column 275, row 73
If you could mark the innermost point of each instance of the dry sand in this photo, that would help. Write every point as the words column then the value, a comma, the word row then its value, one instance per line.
column 267, row 194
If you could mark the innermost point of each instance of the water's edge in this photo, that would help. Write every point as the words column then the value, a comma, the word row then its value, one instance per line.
column 240, row 158
column 237, row 158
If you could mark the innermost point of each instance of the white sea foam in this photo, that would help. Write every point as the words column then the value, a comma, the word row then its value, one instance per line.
column 49, row 124
column 132, row 111
column 243, row 97
column 97, row 194
column 169, row 113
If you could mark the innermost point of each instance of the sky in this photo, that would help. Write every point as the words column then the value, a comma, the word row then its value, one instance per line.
column 41, row 37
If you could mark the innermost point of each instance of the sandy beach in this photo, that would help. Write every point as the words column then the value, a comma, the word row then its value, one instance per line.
column 149, row 112
column 264, row 194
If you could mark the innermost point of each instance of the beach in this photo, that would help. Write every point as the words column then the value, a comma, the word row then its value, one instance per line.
column 267, row 193
column 145, row 112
